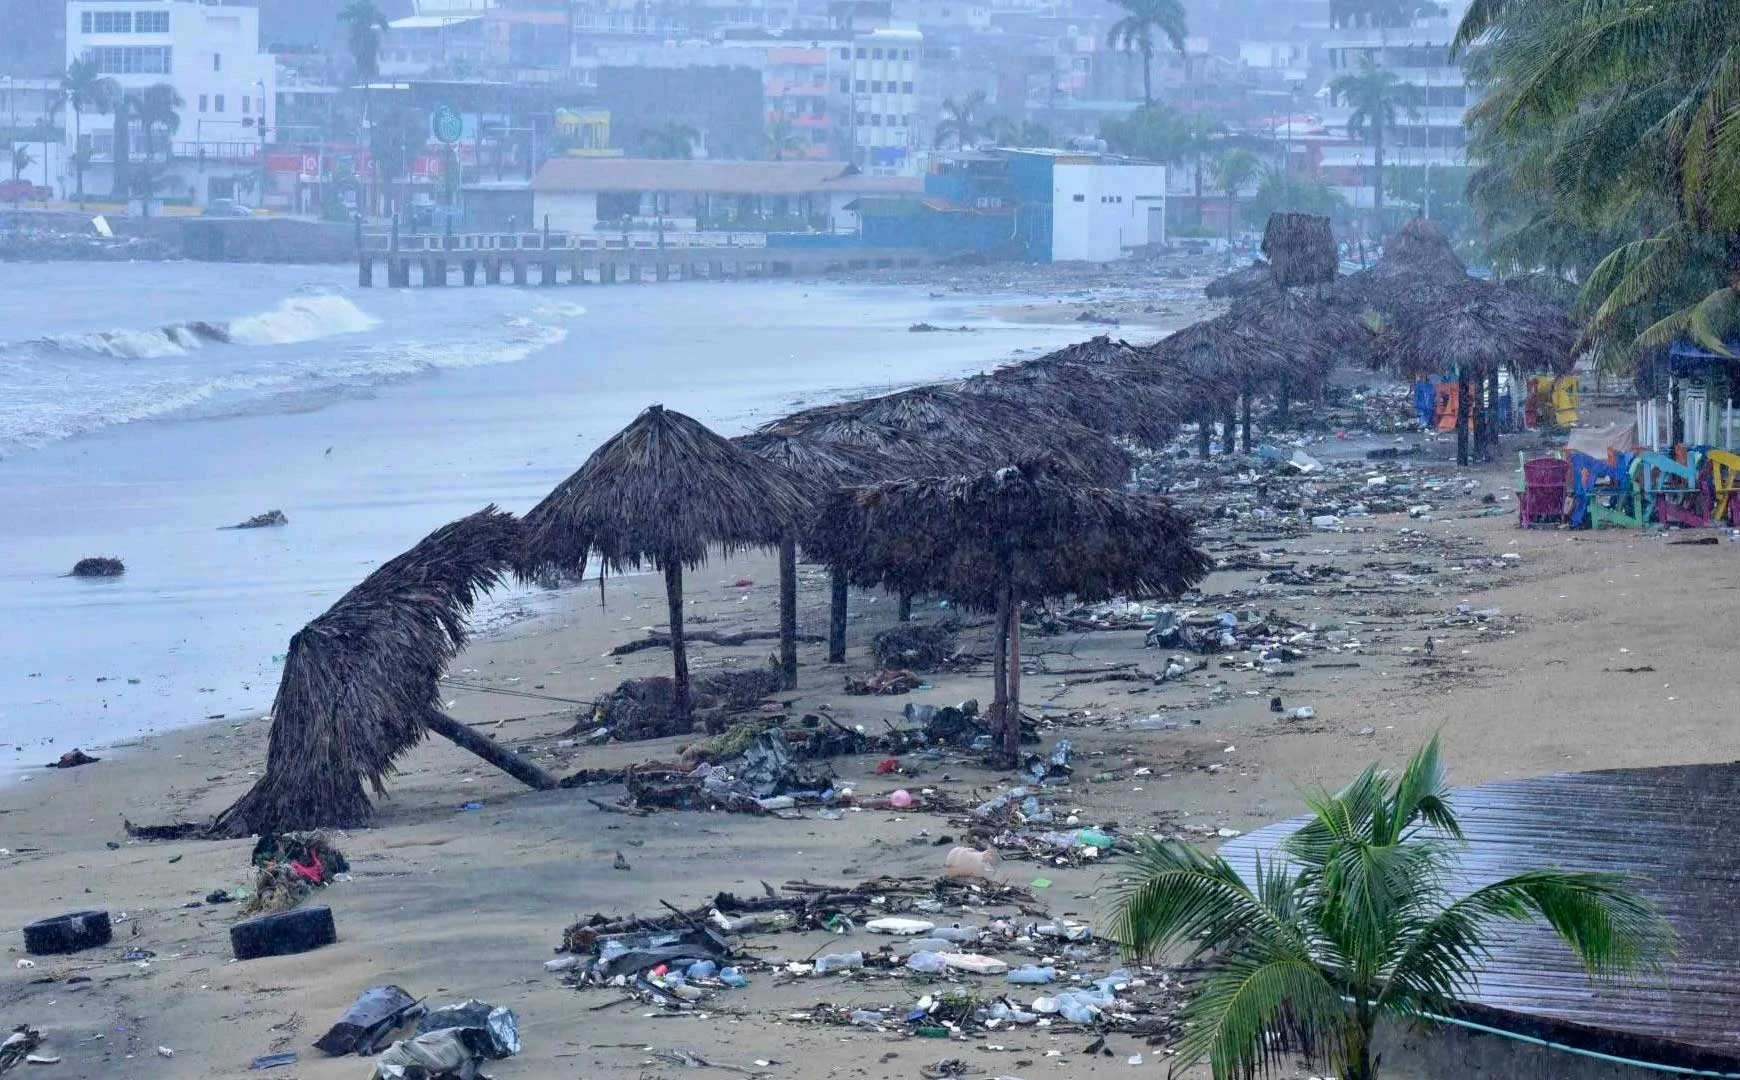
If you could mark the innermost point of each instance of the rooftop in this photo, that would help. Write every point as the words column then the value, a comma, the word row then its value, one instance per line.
column 712, row 177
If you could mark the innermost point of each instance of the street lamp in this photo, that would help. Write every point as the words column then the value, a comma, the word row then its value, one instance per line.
column 260, row 129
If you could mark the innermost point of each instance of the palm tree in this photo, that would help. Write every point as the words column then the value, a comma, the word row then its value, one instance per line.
column 86, row 89
column 1375, row 94
column 1232, row 171
column 960, row 121
column 783, row 139
column 159, row 106
column 671, row 139
column 1031, row 133
column 124, row 106
column 1197, row 136
column 395, row 144
column 1135, row 33
column 1354, row 924
column 364, row 26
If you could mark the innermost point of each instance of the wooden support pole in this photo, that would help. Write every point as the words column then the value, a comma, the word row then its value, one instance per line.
column 788, row 613
column 837, row 617
column 679, row 654
column 486, row 748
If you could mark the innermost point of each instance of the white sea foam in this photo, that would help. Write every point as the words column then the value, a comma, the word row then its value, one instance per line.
column 301, row 318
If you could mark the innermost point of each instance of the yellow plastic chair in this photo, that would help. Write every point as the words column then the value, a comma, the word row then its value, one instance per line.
column 1725, row 479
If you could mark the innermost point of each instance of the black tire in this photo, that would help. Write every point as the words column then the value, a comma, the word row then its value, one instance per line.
column 283, row 933
column 68, row 933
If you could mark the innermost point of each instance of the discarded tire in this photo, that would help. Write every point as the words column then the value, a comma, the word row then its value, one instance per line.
column 283, row 933
column 68, row 933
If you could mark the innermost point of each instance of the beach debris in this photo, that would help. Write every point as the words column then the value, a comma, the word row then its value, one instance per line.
column 646, row 708
column 23, row 964
column 165, row 1052
column 966, row 862
column 918, row 646
column 690, row 1060
column 283, row 933
column 496, row 1029
column 72, row 759
column 375, row 1014
column 453, row 1053
column 18, row 1045
column 68, row 933
column 273, row 1061
column 42, row 1059
column 288, row 867
column 180, row 830
column 621, row 862
column 883, row 684
column 262, row 521
column 98, row 566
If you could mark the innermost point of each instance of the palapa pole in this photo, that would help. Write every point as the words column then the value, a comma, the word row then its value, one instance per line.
column 837, row 618
column 1492, row 431
column 679, row 653
column 1000, row 674
column 1245, row 421
column 507, row 761
column 1283, row 399
column 1012, row 707
column 1463, row 392
column 1204, row 432
column 1228, row 439
column 905, row 612
column 788, row 612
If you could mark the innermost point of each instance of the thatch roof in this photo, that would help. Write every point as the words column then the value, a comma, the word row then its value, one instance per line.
column 959, row 537
column 1110, row 397
column 961, row 429
column 1300, row 249
column 1419, row 271
column 1314, row 333
column 1482, row 327
column 818, row 467
column 663, row 489
column 1212, row 361
column 360, row 681
column 1240, row 281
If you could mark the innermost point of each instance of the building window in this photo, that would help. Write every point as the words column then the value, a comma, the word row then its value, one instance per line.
column 875, row 54
column 863, row 120
column 906, row 54
column 130, row 60
column 906, row 88
column 202, row 103
column 217, row 61
column 875, row 119
column 861, row 52
column 845, row 54
column 1079, row 198
column 875, row 87
column 861, row 85
column 217, row 103
column 247, row 105
column 845, row 86
column 106, row 22
column 151, row 22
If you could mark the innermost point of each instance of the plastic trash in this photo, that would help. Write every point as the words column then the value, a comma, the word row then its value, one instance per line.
column 866, row 1018
column 1326, row 523
column 974, row 964
column 966, row 862
column 562, row 963
column 491, row 1030
column 929, row 944
column 1065, row 931
column 701, row 969
column 367, row 1022
column 777, row 802
column 839, row 962
column 901, row 799
column 1030, row 974
column 1094, row 838
column 928, row 963
column 1075, row 1010
column 957, row 933
column 899, row 927
column 733, row 978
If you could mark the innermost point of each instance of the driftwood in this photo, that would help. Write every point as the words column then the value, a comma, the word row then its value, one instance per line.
column 489, row 750
column 711, row 637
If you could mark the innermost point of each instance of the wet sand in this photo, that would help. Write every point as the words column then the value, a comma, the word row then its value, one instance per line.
column 452, row 904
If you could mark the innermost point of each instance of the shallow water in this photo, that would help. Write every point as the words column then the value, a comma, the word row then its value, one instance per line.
column 144, row 406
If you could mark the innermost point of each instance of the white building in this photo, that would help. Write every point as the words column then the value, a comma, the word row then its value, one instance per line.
column 1429, row 133
column 210, row 54
column 882, row 90
column 1101, row 208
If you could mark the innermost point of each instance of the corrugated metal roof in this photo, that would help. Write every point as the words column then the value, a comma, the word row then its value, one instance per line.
column 711, row 177
column 1671, row 827
column 430, row 22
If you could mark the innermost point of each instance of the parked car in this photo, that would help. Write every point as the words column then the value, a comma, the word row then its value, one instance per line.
column 24, row 191
column 226, row 208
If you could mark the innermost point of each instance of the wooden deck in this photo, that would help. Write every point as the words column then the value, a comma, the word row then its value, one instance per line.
column 1675, row 828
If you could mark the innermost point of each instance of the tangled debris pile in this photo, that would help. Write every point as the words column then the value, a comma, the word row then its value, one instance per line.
column 919, row 647
column 645, row 708
column 289, row 867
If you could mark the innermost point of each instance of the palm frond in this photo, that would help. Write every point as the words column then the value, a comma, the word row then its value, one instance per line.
column 1258, row 1008
column 1178, row 897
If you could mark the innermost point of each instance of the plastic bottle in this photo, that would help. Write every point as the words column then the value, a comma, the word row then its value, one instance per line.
column 610, row 950
column 967, row 934
column 701, row 969
column 866, row 1017
column 965, row 862
column 1076, row 1011
column 930, row 944
column 929, row 963
column 1094, row 838
column 562, row 963
column 733, row 978
column 1032, row 975
column 845, row 961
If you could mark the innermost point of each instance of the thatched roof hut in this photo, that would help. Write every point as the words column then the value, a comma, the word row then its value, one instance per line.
column 1419, row 271
column 1215, row 360
column 1238, row 282
column 1484, row 327
column 994, row 540
column 1315, row 333
column 1300, row 249
column 1104, row 397
column 664, row 491
column 360, row 682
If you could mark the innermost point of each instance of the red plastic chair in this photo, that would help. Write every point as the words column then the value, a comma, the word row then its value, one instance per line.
column 1546, row 487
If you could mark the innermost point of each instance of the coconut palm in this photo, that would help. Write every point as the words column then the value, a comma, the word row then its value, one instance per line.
column 397, row 141
column 1232, row 171
column 782, row 139
column 86, row 90
column 124, row 108
column 364, row 27
column 159, row 106
column 960, row 121
column 21, row 160
column 1135, row 33
column 1354, row 924
column 671, row 139
column 1376, row 95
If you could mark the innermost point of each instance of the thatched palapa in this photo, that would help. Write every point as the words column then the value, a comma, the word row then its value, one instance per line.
column 995, row 540
column 1099, row 384
column 1419, row 271
column 360, row 682
column 664, row 491
column 1238, row 282
column 1300, row 249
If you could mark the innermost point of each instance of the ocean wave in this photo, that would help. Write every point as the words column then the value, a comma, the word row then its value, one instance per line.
column 295, row 320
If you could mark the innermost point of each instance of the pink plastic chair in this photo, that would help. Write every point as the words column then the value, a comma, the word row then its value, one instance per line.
column 1546, row 487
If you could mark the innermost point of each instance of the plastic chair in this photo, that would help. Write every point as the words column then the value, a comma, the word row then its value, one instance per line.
column 1723, row 469
column 1597, row 483
column 1671, row 492
column 1623, row 507
column 1546, row 485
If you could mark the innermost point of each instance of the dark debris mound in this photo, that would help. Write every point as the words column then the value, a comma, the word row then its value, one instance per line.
column 645, row 708
column 917, row 646
column 99, row 566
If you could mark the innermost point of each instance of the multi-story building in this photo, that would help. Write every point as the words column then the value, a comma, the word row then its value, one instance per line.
column 1429, row 132
column 210, row 55
column 440, row 38
column 880, row 92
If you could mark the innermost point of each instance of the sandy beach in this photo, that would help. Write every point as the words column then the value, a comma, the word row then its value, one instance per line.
column 1590, row 661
